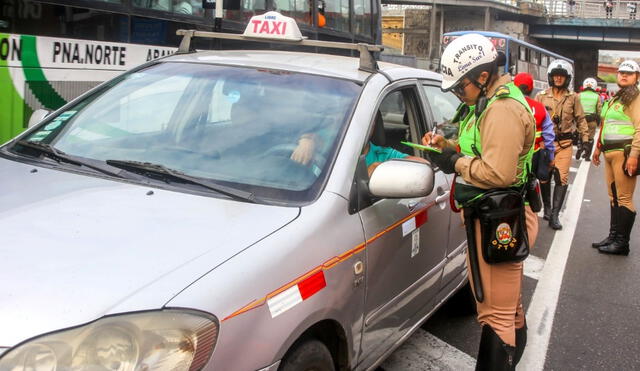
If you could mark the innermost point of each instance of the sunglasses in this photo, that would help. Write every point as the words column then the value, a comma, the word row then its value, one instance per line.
column 459, row 89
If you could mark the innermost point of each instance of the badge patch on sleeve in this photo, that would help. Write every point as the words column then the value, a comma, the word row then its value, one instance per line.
column 502, row 91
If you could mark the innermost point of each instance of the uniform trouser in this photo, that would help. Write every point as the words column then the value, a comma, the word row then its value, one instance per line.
column 502, row 305
column 624, row 184
column 564, row 151
column 592, row 129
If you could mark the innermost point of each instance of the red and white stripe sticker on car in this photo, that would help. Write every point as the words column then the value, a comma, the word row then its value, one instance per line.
column 414, row 223
column 296, row 294
column 306, row 285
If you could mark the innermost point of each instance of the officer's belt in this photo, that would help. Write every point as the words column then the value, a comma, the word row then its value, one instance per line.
column 564, row 136
column 616, row 145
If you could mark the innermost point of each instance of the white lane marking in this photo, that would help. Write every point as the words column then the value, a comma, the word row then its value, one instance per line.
column 573, row 169
column 423, row 351
column 533, row 266
column 545, row 298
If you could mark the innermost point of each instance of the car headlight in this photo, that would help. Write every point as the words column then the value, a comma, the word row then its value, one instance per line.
column 159, row 340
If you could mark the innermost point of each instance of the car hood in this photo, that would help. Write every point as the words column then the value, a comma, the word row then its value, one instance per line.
column 76, row 247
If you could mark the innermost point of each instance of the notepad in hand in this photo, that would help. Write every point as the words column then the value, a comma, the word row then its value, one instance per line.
column 421, row 147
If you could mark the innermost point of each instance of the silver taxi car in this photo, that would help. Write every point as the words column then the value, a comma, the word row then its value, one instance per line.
column 213, row 210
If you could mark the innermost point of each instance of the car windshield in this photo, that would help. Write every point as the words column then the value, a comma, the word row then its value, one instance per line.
column 233, row 125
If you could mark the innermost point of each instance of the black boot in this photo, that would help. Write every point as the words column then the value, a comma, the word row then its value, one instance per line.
column 620, row 244
column 521, row 342
column 545, row 191
column 587, row 152
column 559, row 192
column 612, row 229
column 494, row 354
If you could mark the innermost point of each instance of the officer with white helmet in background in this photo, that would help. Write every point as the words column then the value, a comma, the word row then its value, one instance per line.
column 592, row 107
column 567, row 114
column 496, row 139
column 620, row 141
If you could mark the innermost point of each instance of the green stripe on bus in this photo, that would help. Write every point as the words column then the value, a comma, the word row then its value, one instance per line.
column 12, row 106
column 36, row 81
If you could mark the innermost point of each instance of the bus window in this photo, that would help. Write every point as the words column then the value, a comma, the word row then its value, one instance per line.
column 187, row 7
column 523, row 53
column 337, row 14
column 544, row 61
column 300, row 10
column 362, row 11
column 513, row 60
column 248, row 8
column 534, row 57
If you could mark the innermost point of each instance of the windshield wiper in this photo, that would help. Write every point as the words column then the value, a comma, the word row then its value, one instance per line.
column 59, row 156
column 145, row 168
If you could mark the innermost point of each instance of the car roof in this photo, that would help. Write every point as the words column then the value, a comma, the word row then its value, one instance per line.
column 313, row 63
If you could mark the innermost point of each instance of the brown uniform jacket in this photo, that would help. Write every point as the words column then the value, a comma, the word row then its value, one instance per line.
column 507, row 131
column 570, row 111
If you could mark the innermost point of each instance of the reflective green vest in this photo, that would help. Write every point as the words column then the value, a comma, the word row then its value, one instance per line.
column 617, row 128
column 469, row 135
column 589, row 100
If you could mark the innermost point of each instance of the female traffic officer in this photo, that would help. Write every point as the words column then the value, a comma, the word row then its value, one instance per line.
column 620, row 135
column 496, row 140
column 566, row 112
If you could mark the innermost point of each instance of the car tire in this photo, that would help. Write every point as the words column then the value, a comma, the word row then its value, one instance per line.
column 463, row 301
column 308, row 355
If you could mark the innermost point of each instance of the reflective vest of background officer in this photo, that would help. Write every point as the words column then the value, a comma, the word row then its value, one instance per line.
column 566, row 113
column 620, row 134
column 496, row 137
column 592, row 107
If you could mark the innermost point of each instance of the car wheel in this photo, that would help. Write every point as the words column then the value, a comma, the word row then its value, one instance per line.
column 308, row 355
column 463, row 301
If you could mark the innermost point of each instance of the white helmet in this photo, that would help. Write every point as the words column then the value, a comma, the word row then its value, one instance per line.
column 629, row 66
column 464, row 54
column 560, row 67
column 590, row 83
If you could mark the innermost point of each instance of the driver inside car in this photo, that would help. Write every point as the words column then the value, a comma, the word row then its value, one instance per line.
column 375, row 150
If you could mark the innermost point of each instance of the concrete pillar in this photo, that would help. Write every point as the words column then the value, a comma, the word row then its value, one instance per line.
column 487, row 19
column 432, row 31
column 585, row 62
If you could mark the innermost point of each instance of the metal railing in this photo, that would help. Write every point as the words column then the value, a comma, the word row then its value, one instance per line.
column 622, row 9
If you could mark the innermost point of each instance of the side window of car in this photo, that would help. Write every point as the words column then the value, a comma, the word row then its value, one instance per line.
column 443, row 105
column 396, row 120
column 395, row 125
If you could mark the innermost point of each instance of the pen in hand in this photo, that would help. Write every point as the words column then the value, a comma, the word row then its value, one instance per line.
column 433, row 134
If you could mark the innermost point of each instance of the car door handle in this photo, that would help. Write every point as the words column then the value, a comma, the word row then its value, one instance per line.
column 443, row 197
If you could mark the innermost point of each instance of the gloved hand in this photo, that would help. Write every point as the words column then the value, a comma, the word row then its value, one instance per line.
column 446, row 160
column 586, row 146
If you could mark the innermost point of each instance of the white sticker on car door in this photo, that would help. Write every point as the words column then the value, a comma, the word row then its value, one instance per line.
column 415, row 243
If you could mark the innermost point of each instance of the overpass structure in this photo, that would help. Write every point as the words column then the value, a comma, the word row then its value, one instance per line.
column 576, row 31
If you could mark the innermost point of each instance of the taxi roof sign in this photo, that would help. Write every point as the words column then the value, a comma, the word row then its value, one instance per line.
column 274, row 26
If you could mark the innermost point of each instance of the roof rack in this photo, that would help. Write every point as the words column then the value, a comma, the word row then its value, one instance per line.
column 367, row 60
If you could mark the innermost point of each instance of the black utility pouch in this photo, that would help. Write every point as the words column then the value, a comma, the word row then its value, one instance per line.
column 503, row 226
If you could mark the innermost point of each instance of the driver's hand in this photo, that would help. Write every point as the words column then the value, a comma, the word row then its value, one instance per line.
column 436, row 141
column 372, row 167
column 304, row 151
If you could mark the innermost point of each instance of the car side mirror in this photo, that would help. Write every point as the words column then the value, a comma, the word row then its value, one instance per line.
column 37, row 116
column 401, row 179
